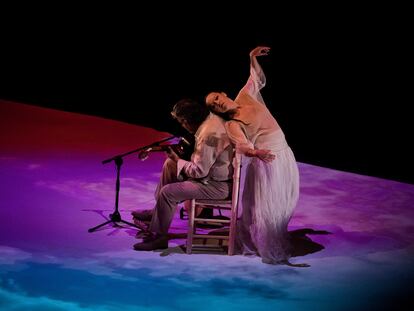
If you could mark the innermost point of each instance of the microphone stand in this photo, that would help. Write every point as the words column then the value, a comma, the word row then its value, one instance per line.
column 115, row 217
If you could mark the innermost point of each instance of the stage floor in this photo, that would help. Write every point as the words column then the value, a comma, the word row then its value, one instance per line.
column 356, row 232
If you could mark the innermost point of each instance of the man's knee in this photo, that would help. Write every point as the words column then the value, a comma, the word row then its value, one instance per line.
column 174, row 193
column 166, row 192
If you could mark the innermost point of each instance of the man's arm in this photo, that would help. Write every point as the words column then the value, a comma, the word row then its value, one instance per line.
column 202, row 159
column 205, row 154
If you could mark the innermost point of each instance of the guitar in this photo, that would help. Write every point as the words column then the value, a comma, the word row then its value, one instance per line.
column 183, row 149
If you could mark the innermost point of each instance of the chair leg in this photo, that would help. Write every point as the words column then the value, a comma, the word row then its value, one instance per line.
column 232, row 229
column 190, row 233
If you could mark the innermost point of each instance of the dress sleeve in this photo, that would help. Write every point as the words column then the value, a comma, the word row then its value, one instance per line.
column 204, row 155
column 256, row 81
column 237, row 134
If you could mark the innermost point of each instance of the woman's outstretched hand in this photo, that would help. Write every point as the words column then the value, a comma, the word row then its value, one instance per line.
column 260, row 51
column 262, row 154
column 265, row 155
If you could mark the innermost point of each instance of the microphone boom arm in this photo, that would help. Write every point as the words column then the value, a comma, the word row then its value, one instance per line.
column 138, row 149
column 179, row 149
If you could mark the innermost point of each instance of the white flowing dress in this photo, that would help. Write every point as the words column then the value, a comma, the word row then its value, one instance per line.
column 271, row 190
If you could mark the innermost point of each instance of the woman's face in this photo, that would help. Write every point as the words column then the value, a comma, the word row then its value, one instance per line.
column 219, row 102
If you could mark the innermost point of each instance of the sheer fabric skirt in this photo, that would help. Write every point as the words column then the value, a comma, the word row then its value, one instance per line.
column 270, row 194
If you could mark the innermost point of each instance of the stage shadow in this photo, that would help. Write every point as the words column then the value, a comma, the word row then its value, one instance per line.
column 303, row 245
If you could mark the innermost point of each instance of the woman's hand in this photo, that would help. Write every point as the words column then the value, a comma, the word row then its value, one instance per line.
column 260, row 51
column 265, row 155
column 262, row 154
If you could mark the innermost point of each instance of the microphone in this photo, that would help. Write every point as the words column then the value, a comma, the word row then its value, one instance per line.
column 144, row 154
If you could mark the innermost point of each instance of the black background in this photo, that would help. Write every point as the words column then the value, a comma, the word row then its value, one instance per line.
column 337, row 81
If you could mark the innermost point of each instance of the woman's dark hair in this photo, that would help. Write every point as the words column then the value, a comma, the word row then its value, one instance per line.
column 191, row 111
column 228, row 115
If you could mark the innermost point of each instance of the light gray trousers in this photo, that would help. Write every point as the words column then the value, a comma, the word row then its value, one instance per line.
column 170, row 191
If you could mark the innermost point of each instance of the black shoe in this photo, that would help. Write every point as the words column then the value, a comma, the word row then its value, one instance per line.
column 141, row 224
column 143, row 215
column 183, row 214
column 144, row 234
column 153, row 244
column 210, row 225
column 206, row 213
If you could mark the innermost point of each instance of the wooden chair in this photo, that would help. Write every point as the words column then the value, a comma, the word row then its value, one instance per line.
column 230, row 205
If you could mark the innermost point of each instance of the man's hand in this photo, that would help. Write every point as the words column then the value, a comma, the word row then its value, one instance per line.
column 260, row 51
column 172, row 155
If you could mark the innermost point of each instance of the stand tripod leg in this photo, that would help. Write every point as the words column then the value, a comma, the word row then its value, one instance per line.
column 133, row 225
column 98, row 226
column 115, row 218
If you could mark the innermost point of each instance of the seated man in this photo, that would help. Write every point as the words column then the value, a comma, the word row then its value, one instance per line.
column 208, row 175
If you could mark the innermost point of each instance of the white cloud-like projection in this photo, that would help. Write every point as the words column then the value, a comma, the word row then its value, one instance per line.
column 134, row 191
column 8, row 158
column 33, row 166
column 11, row 255
column 230, row 281
column 21, row 302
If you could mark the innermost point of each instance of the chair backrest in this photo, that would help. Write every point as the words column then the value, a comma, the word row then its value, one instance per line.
column 231, row 205
column 237, row 164
column 234, row 202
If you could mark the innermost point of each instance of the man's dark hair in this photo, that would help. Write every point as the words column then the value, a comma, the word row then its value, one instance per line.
column 191, row 111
